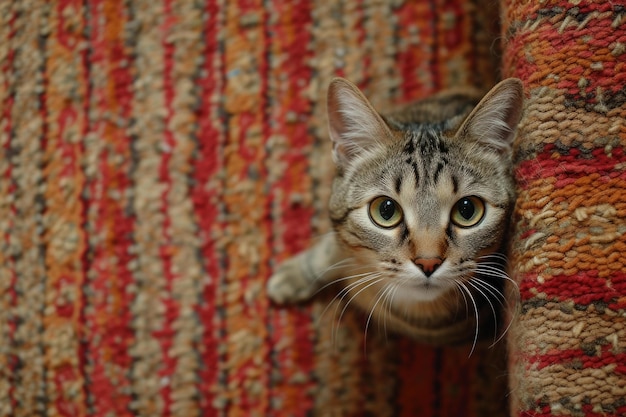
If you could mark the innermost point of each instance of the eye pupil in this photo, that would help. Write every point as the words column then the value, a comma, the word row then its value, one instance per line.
column 385, row 212
column 468, row 211
column 466, row 208
column 387, row 209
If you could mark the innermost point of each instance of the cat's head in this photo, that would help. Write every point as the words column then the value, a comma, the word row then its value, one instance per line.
column 423, row 203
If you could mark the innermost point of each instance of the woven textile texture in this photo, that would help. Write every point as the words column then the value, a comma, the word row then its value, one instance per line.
column 569, row 251
column 158, row 158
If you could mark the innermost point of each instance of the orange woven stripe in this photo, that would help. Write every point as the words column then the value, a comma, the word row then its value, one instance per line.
column 66, row 80
column 247, row 203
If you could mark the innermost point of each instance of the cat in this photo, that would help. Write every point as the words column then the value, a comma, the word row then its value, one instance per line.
column 420, row 204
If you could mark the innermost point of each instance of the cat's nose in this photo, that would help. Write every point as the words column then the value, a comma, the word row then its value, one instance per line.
column 428, row 265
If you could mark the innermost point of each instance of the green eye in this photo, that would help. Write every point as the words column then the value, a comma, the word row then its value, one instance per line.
column 468, row 212
column 385, row 212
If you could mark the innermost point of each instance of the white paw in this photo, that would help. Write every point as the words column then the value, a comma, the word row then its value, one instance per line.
column 288, row 285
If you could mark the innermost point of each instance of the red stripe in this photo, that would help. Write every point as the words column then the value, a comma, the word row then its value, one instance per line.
column 263, row 403
column 563, row 44
column 413, row 60
column 581, row 359
column 206, row 196
column 109, row 340
column 455, row 370
column 416, row 373
column 586, row 410
column 584, row 288
column 84, row 61
column 570, row 167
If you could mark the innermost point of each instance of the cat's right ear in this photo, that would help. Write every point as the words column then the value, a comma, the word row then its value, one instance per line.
column 354, row 126
column 494, row 120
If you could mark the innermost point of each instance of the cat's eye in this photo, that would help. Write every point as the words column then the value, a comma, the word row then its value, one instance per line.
column 468, row 211
column 385, row 212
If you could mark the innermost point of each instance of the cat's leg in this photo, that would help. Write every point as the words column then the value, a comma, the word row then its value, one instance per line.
column 300, row 277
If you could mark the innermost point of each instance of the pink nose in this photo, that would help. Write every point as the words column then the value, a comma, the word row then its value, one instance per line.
column 428, row 265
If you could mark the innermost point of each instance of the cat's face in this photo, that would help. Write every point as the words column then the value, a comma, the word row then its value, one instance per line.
column 425, row 205
column 424, row 212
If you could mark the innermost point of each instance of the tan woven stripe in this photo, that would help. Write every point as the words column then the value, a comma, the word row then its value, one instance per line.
column 27, row 123
column 563, row 327
column 326, row 35
column 549, row 119
column 556, row 383
column 380, row 48
column 148, row 113
column 452, row 56
column 352, row 62
column 185, row 262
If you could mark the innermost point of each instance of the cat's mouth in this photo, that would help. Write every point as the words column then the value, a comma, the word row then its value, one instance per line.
column 419, row 289
column 427, row 285
column 430, row 288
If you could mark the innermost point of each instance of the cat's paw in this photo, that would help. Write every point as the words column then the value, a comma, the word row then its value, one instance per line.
column 288, row 284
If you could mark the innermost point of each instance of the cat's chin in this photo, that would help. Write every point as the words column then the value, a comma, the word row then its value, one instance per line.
column 420, row 292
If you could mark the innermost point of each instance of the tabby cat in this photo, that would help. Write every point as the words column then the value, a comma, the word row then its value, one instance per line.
column 420, row 204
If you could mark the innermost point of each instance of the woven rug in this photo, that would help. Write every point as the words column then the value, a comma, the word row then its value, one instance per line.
column 569, row 344
column 158, row 158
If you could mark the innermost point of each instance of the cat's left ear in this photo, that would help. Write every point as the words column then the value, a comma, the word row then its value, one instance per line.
column 494, row 120
column 355, row 127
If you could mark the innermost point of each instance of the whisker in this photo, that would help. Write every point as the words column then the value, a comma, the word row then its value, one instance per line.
column 372, row 281
column 379, row 296
column 474, row 285
column 495, row 270
column 457, row 282
column 497, row 273
column 390, row 299
column 348, row 263
column 496, row 255
column 363, row 278
column 491, row 289
column 463, row 287
column 339, row 264
column 491, row 267
column 501, row 299
column 338, row 280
